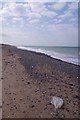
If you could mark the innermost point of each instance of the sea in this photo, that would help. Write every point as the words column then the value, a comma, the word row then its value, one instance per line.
column 68, row 54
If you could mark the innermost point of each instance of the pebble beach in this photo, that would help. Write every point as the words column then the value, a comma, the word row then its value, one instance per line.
column 30, row 80
column 0, row 82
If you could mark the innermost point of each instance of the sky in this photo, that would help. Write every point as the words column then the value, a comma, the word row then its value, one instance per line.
column 39, row 23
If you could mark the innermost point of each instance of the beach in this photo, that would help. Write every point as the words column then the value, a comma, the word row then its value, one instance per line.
column 31, row 79
column 0, row 82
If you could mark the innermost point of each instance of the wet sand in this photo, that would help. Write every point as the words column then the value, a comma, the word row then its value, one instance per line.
column 30, row 80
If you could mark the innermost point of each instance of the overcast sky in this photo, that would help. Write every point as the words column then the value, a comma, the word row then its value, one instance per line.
column 39, row 23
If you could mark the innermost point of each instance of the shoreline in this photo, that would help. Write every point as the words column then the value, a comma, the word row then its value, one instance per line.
column 70, row 68
column 30, row 80
column 18, row 48
column 32, row 49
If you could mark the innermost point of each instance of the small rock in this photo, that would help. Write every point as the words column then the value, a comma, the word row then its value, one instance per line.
column 7, row 104
column 39, row 100
column 44, row 92
column 12, row 113
column 24, row 111
column 14, row 98
column 22, row 80
column 32, row 66
column 28, row 83
column 32, row 106
column 50, row 88
column 20, row 99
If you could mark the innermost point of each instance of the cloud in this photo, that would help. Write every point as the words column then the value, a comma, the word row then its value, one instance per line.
column 39, row 23
column 67, row 14
column 58, row 6
column 73, row 6
column 1, row 19
column 37, row 6
column 21, row 9
column 17, row 19
column 36, row 10
column 27, row 11
column 59, row 1
column 14, row 9
column 39, row 1
column 41, row 10
column 49, row 13
column 34, row 21
column 0, row 5
column 33, row 15
column 57, row 21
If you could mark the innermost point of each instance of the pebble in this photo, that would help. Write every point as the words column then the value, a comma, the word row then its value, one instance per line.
column 50, row 88
column 77, row 97
column 32, row 66
column 21, row 99
column 14, row 98
column 39, row 100
column 22, row 80
column 44, row 92
column 24, row 111
column 28, row 83
column 12, row 114
column 36, row 90
column 32, row 106
column 7, row 104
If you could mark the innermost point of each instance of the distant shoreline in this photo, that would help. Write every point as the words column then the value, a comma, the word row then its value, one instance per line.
column 23, row 48
column 67, row 54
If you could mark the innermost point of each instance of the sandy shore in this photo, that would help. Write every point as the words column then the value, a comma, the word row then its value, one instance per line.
column 0, row 82
column 30, row 80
